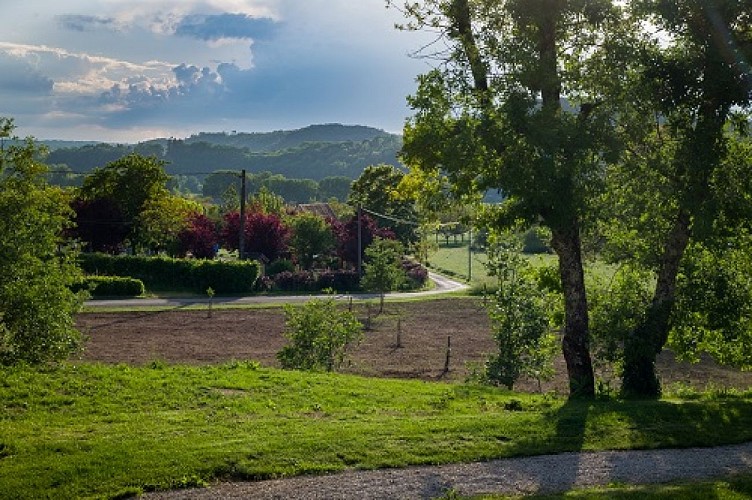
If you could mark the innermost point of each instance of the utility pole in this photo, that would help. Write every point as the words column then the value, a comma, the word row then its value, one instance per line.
column 241, row 242
column 470, row 255
column 360, row 243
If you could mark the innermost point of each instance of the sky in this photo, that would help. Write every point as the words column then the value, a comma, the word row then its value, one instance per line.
column 131, row 70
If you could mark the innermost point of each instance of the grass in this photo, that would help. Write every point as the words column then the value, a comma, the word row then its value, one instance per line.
column 453, row 260
column 104, row 431
column 731, row 488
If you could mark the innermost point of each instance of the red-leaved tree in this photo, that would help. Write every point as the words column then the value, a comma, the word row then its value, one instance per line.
column 263, row 233
column 200, row 237
column 347, row 236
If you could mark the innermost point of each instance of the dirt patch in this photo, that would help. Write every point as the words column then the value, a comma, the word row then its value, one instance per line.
column 421, row 328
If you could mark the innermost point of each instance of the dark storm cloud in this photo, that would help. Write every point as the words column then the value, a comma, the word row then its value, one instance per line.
column 19, row 77
column 83, row 23
column 215, row 27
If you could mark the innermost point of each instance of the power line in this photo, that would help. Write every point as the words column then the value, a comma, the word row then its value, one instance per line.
column 391, row 218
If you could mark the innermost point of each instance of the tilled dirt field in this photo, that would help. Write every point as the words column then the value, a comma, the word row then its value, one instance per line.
column 423, row 328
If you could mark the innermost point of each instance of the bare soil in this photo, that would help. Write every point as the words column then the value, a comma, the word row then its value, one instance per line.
column 422, row 329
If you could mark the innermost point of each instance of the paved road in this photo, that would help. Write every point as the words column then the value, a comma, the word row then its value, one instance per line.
column 442, row 285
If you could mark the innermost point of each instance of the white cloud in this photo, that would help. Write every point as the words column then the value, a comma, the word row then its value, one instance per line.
column 127, row 65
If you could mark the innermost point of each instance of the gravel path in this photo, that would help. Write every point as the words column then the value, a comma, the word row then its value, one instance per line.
column 514, row 476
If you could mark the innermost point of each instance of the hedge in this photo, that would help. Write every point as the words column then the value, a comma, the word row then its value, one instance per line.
column 307, row 281
column 166, row 273
column 111, row 286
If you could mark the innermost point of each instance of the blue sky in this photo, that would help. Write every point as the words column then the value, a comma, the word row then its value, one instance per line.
column 128, row 70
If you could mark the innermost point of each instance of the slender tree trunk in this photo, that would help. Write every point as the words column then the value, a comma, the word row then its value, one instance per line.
column 646, row 342
column 576, row 342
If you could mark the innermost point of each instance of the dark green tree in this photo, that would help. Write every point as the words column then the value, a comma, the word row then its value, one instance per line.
column 383, row 268
column 131, row 183
column 335, row 187
column 37, row 306
column 673, row 186
column 311, row 236
column 492, row 118
column 376, row 190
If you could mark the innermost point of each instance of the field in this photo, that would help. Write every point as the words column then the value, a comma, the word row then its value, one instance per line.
column 191, row 337
column 157, row 402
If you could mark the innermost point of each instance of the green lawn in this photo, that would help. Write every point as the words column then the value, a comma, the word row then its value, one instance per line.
column 456, row 260
column 101, row 431
column 732, row 488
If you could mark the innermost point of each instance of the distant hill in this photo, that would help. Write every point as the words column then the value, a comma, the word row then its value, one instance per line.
column 58, row 144
column 312, row 152
column 284, row 139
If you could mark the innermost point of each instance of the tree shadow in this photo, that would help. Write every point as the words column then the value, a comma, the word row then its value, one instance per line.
column 647, row 425
column 129, row 317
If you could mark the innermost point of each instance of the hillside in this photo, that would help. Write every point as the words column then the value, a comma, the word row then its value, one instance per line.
column 285, row 139
column 313, row 152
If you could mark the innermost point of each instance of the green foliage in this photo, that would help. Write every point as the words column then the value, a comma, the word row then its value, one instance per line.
column 136, row 184
column 616, row 309
column 513, row 134
column 536, row 240
column 376, row 190
column 713, row 313
column 519, row 312
column 162, row 219
column 279, row 266
column 319, row 335
column 311, row 236
column 176, row 274
column 383, row 270
column 112, row 286
column 268, row 201
column 36, row 303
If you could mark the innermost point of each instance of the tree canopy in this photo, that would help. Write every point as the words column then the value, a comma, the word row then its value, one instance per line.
column 38, row 268
column 492, row 117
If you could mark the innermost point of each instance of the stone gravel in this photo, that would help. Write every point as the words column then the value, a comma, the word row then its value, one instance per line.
column 513, row 476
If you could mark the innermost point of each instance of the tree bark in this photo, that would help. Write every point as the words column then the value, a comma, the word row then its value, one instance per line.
column 646, row 342
column 576, row 342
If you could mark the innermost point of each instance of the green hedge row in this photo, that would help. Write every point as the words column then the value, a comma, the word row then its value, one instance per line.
column 111, row 286
column 165, row 273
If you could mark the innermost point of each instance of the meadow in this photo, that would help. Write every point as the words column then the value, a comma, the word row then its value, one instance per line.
column 94, row 430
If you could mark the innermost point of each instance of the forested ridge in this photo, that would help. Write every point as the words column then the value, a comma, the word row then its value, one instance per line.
column 313, row 152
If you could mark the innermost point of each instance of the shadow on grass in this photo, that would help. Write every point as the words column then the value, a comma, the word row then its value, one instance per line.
column 643, row 425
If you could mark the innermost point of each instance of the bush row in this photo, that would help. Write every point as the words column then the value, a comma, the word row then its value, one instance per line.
column 307, row 281
column 340, row 280
column 111, row 286
column 176, row 274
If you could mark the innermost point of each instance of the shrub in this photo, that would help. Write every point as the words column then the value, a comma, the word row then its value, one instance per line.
column 112, row 286
column 168, row 273
column 301, row 281
column 520, row 313
column 278, row 266
column 319, row 335
column 341, row 280
column 417, row 275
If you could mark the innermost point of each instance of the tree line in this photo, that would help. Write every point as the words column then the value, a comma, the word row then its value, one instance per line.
column 188, row 157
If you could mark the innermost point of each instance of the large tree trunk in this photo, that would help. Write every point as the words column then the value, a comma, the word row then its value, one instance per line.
column 576, row 342
column 646, row 342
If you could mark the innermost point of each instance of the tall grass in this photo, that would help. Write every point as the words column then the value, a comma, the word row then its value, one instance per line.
column 92, row 430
